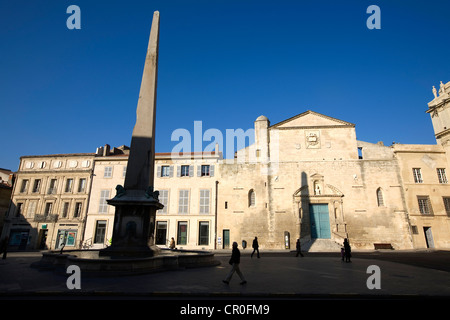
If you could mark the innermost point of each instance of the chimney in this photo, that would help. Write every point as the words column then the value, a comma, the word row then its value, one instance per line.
column 99, row 151
column 106, row 150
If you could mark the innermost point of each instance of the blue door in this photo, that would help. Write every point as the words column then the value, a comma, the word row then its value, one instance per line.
column 320, row 221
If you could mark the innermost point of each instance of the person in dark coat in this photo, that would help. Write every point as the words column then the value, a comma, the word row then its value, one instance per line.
column 235, row 261
column 347, row 250
column 255, row 247
column 4, row 246
column 299, row 248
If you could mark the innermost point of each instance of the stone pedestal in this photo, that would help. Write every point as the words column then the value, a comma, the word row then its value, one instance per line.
column 134, row 224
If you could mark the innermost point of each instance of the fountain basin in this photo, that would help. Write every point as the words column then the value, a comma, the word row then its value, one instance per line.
column 91, row 263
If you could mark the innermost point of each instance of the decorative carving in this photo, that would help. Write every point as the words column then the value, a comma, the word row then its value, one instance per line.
column 152, row 194
column 120, row 191
column 312, row 139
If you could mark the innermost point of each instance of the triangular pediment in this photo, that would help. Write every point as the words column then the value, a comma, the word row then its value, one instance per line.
column 311, row 119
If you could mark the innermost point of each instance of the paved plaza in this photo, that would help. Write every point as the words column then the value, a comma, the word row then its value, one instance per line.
column 275, row 275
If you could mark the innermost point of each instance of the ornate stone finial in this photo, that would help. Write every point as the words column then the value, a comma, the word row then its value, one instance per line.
column 434, row 92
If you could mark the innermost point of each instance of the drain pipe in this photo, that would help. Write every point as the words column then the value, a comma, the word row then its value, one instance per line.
column 215, row 213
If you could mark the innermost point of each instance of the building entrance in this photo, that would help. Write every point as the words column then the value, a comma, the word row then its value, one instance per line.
column 320, row 221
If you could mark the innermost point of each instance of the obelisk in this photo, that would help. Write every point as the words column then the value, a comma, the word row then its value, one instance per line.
column 140, row 169
column 136, row 202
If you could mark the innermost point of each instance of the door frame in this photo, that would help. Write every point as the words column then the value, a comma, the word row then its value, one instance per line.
column 225, row 245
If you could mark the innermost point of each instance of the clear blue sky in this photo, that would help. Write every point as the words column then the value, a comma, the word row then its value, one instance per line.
column 221, row 62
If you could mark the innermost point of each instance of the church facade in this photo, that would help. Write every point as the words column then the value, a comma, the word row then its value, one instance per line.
column 307, row 178
column 320, row 190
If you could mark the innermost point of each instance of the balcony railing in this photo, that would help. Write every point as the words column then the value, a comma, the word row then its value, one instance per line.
column 45, row 217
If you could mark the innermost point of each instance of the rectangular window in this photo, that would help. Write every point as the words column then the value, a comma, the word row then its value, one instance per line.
column 19, row 208
column 48, row 208
column 77, row 211
column 52, row 187
column 183, row 201
column 100, row 231
column 164, row 199
column 31, row 208
column 441, row 175
column 103, row 207
column 417, row 175
column 37, row 185
column 205, row 171
column 24, row 186
column 82, row 185
column 124, row 172
column 360, row 155
column 69, row 184
column 165, row 171
column 424, row 204
column 108, row 172
column 185, row 171
column 68, row 237
column 65, row 210
column 182, row 233
column 204, row 201
column 203, row 233
column 447, row 205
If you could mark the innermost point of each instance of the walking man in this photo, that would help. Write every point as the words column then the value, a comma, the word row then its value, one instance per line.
column 299, row 248
column 234, row 261
column 255, row 247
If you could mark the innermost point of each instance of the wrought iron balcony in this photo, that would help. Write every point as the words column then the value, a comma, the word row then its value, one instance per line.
column 45, row 217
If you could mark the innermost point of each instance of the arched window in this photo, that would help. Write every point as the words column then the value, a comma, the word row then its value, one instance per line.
column 380, row 199
column 251, row 198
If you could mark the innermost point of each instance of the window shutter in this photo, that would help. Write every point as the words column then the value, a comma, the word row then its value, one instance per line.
column 199, row 171
column 191, row 171
column 158, row 171
column 171, row 171
column 178, row 171
column 211, row 170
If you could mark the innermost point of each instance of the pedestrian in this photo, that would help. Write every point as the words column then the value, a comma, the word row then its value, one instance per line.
column 299, row 248
column 347, row 250
column 342, row 253
column 234, row 261
column 255, row 247
column 4, row 246
column 172, row 244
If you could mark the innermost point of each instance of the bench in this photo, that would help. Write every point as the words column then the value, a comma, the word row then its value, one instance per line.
column 383, row 246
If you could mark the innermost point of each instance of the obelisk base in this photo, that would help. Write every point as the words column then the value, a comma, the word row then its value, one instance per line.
column 134, row 224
